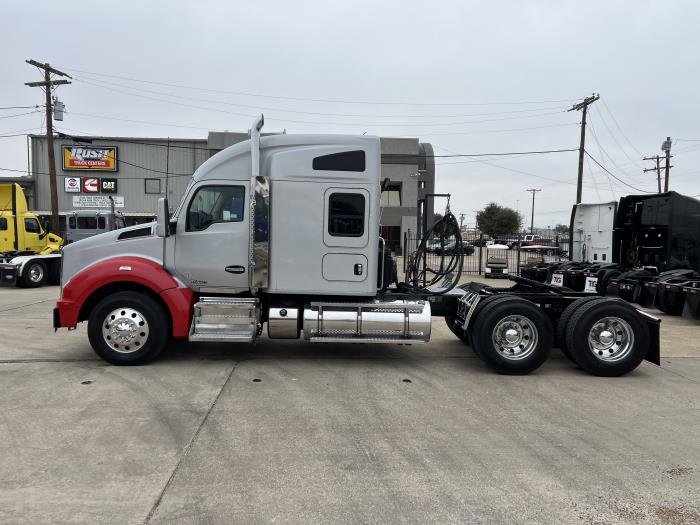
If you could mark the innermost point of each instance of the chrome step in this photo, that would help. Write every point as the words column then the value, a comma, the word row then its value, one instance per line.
column 225, row 319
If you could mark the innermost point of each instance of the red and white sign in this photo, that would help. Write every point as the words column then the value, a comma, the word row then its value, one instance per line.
column 72, row 184
column 91, row 185
column 591, row 285
column 557, row 279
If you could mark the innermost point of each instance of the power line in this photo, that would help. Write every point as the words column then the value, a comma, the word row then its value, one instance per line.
column 607, row 108
column 318, row 113
column 636, row 163
column 386, row 155
column 322, row 100
column 20, row 114
column 613, row 175
column 429, row 134
column 316, row 123
column 35, row 106
column 500, row 154
column 604, row 153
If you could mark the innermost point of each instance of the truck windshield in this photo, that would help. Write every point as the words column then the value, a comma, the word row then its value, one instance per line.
column 87, row 223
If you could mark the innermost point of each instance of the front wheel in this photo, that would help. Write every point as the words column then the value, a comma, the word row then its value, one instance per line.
column 128, row 328
column 513, row 336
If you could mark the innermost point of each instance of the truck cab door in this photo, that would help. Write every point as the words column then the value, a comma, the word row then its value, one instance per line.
column 211, row 241
column 32, row 238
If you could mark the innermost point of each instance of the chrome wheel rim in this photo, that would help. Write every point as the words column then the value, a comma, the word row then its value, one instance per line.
column 515, row 337
column 36, row 273
column 125, row 330
column 611, row 339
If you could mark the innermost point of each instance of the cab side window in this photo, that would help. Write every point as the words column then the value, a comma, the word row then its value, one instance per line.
column 72, row 224
column 32, row 226
column 212, row 204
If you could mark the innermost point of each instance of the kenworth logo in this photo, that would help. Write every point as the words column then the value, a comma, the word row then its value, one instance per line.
column 98, row 158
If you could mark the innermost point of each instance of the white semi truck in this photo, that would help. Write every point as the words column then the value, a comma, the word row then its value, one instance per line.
column 282, row 232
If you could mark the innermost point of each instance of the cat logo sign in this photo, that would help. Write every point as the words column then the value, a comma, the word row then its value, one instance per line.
column 93, row 158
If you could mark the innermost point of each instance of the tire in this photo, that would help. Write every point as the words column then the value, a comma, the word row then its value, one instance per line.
column 613, row 354
column 136, row 311
column 604, row 279
column 459, row 332
column 628, row 295
column 562, row 323
column 34, row 274
column 665, row 303
column 513, row 336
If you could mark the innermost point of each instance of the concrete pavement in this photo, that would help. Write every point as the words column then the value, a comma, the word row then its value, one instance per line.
column 300, row 433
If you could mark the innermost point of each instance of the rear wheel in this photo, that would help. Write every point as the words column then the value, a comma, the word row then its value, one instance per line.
column 34, row 274
column 607, row 338
column 563, row 322
column 128, row 328
column 604, row 280
column 669, row 303
column 513, row 336
column 456, row 330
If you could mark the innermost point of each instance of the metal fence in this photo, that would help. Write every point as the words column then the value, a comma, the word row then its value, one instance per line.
column 479, row 251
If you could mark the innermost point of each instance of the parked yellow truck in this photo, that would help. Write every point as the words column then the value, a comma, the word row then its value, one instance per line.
column 29, row 255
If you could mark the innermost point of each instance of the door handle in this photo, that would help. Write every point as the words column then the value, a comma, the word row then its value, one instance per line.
column 235, row 269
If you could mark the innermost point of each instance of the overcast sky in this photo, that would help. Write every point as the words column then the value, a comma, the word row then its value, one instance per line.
column 468, row 77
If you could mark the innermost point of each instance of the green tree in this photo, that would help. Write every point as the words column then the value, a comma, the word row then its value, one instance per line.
column 561, row 228
column 498, row 220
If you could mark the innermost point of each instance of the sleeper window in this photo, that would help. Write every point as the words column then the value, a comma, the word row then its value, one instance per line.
column 3, row 223
column 346, row 214
column 215, row 204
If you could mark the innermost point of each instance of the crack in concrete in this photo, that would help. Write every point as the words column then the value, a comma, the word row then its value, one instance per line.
column 25, row 305
column 187, row 448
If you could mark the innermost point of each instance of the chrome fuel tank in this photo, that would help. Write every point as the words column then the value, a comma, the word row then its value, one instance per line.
column 377, row 322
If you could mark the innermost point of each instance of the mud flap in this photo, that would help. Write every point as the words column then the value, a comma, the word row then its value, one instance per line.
column 8, row 274
column 654, row 352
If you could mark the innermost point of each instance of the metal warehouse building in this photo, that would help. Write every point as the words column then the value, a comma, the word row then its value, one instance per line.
column 136, row 172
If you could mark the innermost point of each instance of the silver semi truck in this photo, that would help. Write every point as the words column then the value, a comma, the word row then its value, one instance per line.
column 282, row 233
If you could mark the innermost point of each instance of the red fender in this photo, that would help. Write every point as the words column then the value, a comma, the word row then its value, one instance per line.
column 137, row 270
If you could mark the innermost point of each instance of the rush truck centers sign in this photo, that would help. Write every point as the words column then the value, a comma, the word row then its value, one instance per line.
column 94, row 158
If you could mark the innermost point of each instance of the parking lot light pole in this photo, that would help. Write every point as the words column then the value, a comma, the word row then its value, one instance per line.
column 532, row 216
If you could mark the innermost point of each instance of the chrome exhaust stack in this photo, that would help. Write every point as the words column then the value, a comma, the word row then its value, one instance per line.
column 259, row 220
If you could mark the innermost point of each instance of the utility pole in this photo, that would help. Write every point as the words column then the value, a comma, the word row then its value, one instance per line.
column 666, row 147
column 47, row 84
column 532, row 217
column 657, row 169
column 582, row 148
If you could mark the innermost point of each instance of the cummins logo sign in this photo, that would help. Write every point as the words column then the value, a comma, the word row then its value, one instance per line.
column 97, row 158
